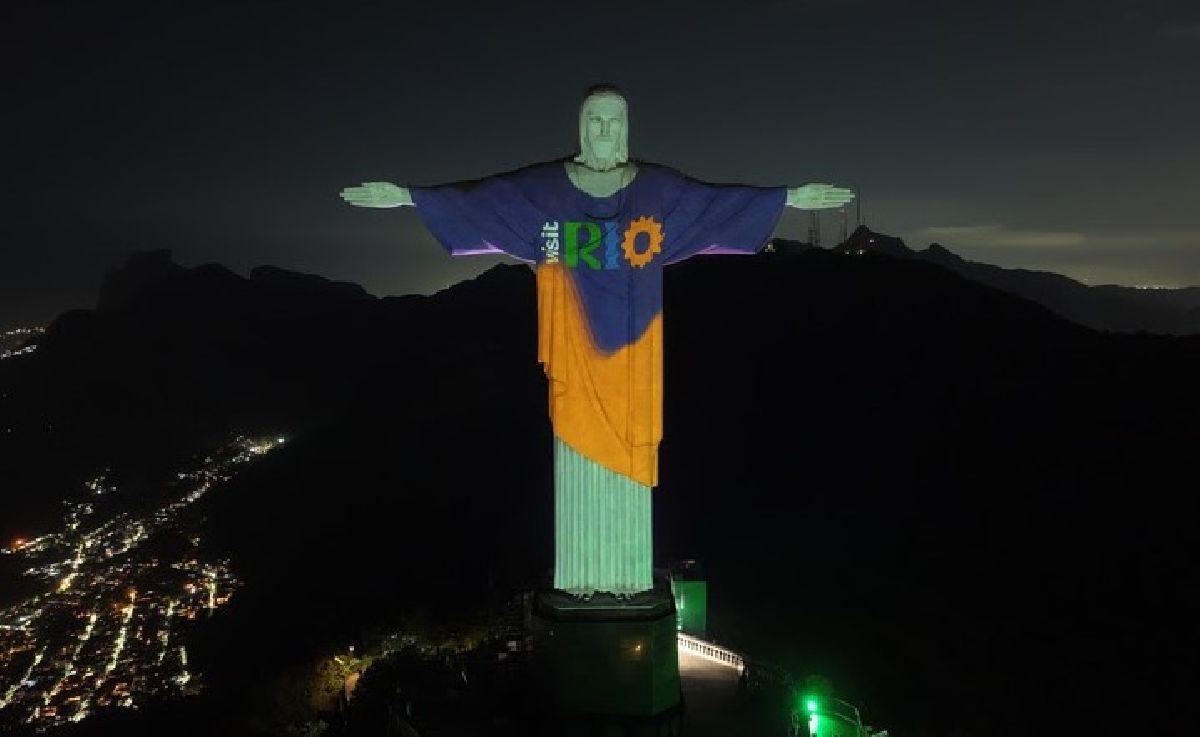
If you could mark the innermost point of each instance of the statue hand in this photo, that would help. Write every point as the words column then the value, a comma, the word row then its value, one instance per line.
column 818, row 197
column 377, row 194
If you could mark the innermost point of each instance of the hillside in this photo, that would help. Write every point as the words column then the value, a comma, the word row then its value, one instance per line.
column 959, row 505
column 1107, row 307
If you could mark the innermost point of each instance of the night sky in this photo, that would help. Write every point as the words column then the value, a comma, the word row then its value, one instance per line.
column 1048, row 135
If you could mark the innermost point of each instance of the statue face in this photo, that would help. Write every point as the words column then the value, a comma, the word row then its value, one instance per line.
column 605, row 121
column 603, row 131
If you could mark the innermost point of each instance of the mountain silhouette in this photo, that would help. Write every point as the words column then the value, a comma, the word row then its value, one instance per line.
column 1107, row 307
column 964, row 508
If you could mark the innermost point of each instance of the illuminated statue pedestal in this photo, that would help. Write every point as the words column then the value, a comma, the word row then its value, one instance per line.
column 608, row 666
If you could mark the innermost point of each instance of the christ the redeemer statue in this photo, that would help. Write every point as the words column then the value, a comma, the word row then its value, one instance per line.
column 600, row 228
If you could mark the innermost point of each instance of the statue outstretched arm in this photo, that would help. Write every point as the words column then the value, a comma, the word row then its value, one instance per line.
column 818, row 196
column 378, row 194
column 488, row 215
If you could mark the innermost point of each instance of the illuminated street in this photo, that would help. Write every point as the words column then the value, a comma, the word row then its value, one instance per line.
column 104, row 631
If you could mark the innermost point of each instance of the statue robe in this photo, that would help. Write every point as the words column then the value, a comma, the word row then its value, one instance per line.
column 599, row 278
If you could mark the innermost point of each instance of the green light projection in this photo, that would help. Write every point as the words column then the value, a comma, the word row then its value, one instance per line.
column 825, row 715
column 814, row 719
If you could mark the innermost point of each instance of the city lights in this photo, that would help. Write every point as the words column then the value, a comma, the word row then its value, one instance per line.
column 15, row 337
column 103, row 632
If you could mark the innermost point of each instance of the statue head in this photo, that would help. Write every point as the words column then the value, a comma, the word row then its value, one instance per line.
column 603, row 128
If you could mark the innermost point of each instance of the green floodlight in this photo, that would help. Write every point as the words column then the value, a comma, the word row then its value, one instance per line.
column 811, row 705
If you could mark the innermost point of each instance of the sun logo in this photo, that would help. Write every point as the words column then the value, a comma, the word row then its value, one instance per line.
column 651, row 228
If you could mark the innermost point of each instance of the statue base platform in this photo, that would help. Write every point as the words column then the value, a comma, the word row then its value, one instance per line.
column 607, row 666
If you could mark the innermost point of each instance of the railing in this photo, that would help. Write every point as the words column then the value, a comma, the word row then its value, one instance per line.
column 842, row 711
column 712, row 652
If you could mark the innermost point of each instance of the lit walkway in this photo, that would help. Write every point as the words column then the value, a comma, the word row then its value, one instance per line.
column 716, row 706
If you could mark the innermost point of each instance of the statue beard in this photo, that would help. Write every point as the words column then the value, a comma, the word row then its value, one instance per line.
column 593, row 160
